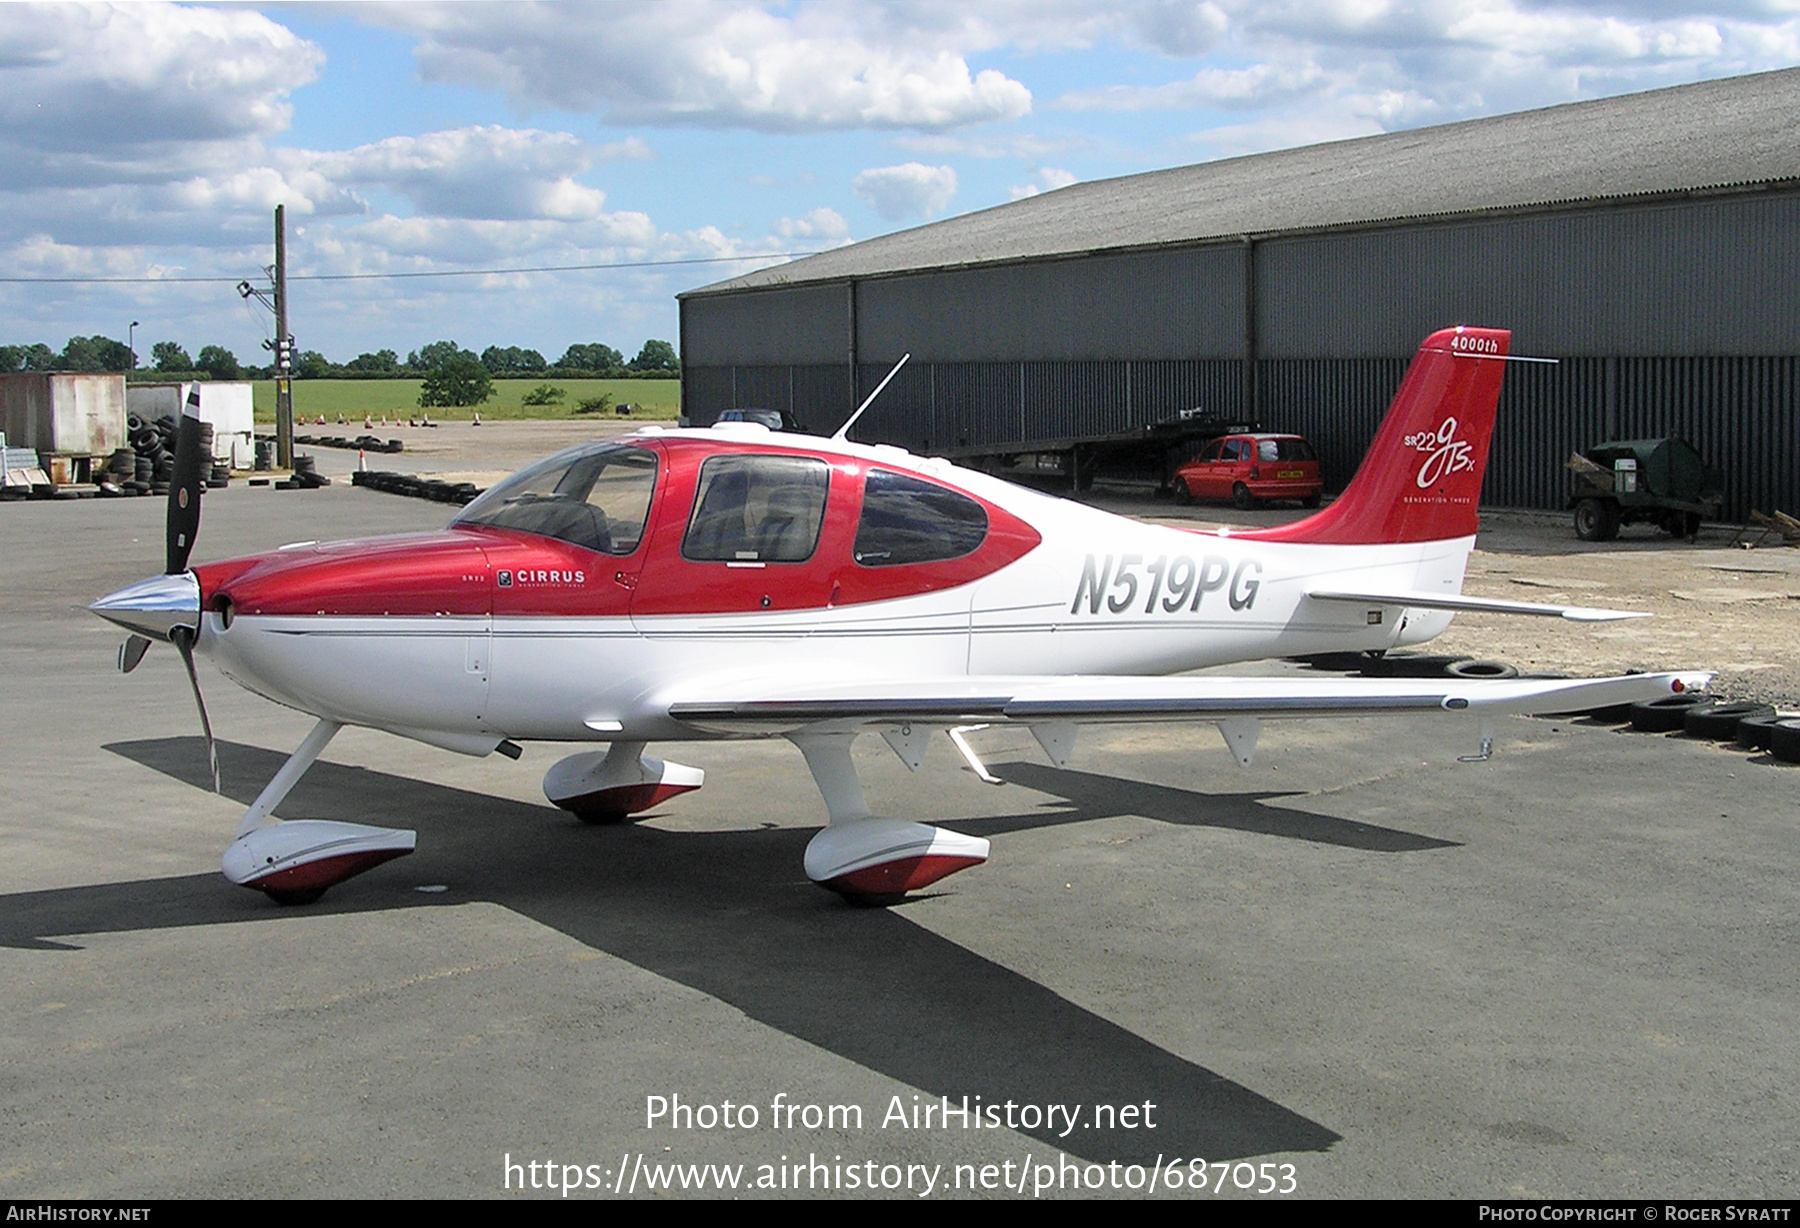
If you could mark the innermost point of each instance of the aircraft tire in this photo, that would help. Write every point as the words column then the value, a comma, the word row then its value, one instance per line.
column 1720, row 722
column 1784, row 740
column 1668, row 714
column 1241, row 497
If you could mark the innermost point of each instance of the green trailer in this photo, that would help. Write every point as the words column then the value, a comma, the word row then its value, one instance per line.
column 1628, row 481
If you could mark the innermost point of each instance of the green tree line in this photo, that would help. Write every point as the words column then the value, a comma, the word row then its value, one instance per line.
column 655, row 360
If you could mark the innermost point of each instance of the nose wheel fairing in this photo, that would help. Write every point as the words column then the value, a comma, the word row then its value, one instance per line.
column 294, row 862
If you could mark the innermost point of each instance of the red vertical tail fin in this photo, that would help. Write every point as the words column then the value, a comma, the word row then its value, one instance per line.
column 1421, row 477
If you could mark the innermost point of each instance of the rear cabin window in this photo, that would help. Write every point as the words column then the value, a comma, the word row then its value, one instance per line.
column 757, row 509
column 907, row 520
column 595, row 497
column 1283, row 450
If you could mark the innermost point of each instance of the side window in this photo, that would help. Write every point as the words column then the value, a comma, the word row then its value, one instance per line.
column 763, row 509
column 908, row 520
column 1266, row 449
column 1212, row 451
column 1235, row 449
column 596, row 497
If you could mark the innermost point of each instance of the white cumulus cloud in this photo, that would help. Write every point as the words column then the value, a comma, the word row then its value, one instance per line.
column 1048, row 179
column 482, row 172
column 708, row 63
column 910, row 190
column 821, row 223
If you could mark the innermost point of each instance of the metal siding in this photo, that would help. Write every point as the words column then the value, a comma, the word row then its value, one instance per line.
column 704, row 392
column 1336, row 404
column 809, row 324
column 1185, row 303
column 1699, row 277
column 1740, row 413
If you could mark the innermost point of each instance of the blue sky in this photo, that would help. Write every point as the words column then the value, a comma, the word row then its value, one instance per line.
column 153, row 140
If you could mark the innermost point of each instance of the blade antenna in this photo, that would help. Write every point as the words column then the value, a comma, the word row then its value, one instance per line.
column 843, row 432
column 183, row 639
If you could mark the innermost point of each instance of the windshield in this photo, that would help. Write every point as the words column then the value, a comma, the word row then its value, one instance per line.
column 596, row 496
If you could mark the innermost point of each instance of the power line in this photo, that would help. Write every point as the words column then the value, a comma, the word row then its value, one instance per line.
column 542, row 268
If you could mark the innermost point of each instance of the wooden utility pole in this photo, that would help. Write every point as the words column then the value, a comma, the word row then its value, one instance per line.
column 284, row 351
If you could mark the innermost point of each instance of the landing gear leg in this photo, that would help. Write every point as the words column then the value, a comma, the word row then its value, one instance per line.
column 294, row 862
column 865, row 859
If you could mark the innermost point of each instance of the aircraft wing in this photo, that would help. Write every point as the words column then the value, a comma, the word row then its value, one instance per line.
column 1480, row 605
column 748, row 706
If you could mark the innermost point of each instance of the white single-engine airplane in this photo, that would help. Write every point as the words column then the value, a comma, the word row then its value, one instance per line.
column 695, row 584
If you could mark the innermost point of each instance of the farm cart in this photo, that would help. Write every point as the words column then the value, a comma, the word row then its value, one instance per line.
column 1663, row 481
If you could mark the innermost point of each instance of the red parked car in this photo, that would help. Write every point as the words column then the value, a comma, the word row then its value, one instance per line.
column 1250, row 468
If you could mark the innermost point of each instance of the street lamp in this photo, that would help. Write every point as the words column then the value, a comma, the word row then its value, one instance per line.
column 131, row 345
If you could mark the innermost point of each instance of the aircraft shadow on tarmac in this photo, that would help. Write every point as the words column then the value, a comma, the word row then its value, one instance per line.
column 725, row 913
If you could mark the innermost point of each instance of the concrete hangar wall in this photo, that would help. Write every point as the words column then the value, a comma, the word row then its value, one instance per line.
column 1651, row 243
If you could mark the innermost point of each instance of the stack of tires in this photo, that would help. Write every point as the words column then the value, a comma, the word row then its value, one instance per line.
column 461, row 493
column 145, row 467
column 1750, row 726
column 306, row 476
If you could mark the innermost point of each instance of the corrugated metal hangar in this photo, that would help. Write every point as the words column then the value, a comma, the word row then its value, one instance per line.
column 1650, row 242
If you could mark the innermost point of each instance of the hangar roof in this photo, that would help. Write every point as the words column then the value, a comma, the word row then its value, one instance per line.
column 1732, row 133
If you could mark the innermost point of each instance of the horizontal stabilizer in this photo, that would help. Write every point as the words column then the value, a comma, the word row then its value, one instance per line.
column 1481, row 605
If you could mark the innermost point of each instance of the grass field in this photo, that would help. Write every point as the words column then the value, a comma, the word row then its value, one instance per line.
column 399, row 398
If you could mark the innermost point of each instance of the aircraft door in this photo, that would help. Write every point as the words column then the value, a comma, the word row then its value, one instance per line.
column 744, row 544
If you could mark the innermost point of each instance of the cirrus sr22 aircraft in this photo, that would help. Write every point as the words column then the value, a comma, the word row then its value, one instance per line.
column 679, row 585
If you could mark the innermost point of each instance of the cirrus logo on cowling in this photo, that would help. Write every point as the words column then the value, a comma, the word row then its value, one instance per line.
column 1444, row 453
column 528, row 577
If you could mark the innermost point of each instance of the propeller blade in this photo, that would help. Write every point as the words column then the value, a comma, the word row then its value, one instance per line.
column 193, row 448
column 183, row 639
column 131, row 652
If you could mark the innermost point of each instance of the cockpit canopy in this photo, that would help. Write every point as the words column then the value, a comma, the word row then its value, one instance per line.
column 596, row 496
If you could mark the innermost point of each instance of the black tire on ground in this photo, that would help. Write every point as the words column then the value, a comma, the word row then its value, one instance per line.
column 1668, row 714
column 1481, row 669
column 1755, row 732
column 1402, row 665
column 1720, row 722
column 1784, row 740
column 1242, row 498
column 1183, row 495
column 1596, row 520
column 1616, row 714
column 1311, row 501
column 1341, row 661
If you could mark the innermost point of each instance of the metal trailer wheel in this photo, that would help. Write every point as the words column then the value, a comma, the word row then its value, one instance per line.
column 1596, row 520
